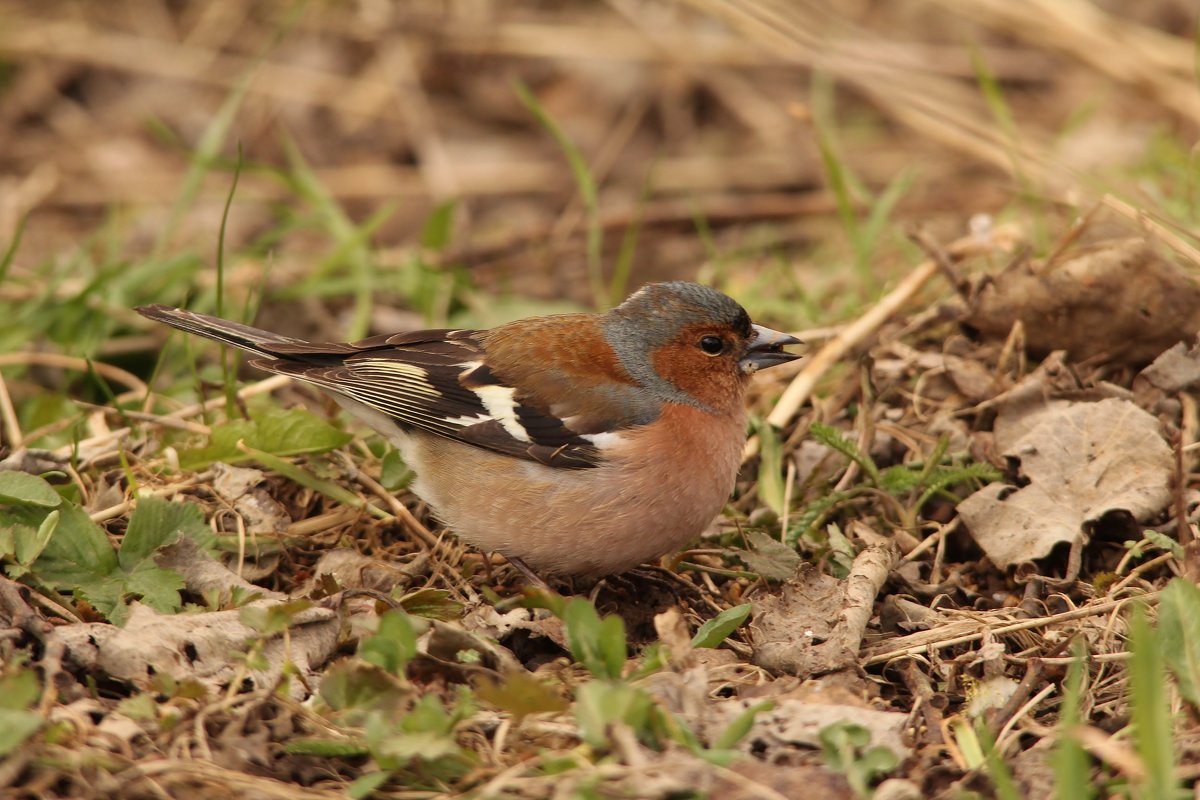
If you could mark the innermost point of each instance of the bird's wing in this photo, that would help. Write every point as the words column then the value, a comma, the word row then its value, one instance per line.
column 439, row 382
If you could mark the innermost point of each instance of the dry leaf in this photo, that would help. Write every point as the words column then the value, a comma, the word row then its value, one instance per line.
column 243, row 487
column 797, row 722
column 1176, row 369
column 1081, row 461
column 1117, row 297
column 203, row 647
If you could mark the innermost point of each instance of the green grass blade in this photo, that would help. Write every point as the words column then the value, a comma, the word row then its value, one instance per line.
column 228, row 363
column 1072, row 772
column 10, row 252
column 306, row 478
column 1149, row 698
column 585, row 183
column 205, row 156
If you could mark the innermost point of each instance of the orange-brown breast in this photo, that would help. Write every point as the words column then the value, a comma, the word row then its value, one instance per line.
column 664, row 484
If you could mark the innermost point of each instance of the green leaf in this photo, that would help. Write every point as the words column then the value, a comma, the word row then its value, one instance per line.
column 156, row 522
column 21, row 488
column 28, row 544
column 878, row 761
column 439, row 225
column 736, row 730
column 427, row 715
column 1150, row 704
column 717, row 629
column 1179, row 632
column 598, row 704
column 520, row 694
column 353, row 685
column 393, row 645
column 1071, row 763
column 8, row 541
column 599, row 645
column 839, row 739
column 141, row 706
column 1002, row 777
column 1164, row 543
column 158, row 588
column 78, row 553
column 291, row 432
column 842, row 748
column 106, row 594
column 16, row 727
column 329, row 748
column 280, row 432
column 399, row 749
column 771, row 485
column 431, row 604
column 19, row 690
column 394, row 474
column 770, row 558
column 365, row 785
column 275, row 618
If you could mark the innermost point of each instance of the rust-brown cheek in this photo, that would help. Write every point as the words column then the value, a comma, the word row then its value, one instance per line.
column 713, row 380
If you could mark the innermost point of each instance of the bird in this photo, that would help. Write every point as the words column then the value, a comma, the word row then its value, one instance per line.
column 575, row 445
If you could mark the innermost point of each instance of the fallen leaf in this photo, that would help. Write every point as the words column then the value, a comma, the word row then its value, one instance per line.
column 203, row 646
column 798, row 722
column 1175, row 369
column 788, row 625
column 1081, row 461
column 243, row 487
column 770, row 558
column 1118, row 298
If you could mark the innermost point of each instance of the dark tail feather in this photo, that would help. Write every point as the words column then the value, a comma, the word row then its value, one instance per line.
column 255, row 340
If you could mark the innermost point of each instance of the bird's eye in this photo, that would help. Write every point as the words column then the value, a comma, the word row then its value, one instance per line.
column 713, row 345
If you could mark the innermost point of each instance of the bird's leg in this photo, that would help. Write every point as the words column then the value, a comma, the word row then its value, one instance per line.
column 534, row 579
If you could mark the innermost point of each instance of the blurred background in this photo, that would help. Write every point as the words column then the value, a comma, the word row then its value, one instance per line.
column 389, row 165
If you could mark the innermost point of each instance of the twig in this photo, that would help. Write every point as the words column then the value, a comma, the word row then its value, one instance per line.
column 1149, row 598
column 1032, row 678
column 12, row 427
column 106, row 371
column 861, row 329
column 399, row 509
column 927, row 703
column 262, row 387
column 939, row 256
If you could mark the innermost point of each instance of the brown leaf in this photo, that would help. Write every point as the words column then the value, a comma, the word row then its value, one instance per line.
column 204, row 647
column 770, row 557
column 1117, row 297
column 1082, row 461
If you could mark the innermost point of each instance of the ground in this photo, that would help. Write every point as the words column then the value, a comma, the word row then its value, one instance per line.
column 960, row 559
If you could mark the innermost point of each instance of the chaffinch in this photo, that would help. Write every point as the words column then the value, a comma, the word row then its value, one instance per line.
column 573, row 444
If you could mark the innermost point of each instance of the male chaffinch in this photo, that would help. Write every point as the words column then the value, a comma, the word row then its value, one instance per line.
column 573, row 444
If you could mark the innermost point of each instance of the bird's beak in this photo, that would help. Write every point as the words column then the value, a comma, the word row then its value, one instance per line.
column 766, row 349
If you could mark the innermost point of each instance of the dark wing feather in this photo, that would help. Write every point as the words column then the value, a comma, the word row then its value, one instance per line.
column 432, row 380
column 421, row 385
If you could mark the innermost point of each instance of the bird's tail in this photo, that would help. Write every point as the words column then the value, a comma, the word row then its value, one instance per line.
column 254, row 340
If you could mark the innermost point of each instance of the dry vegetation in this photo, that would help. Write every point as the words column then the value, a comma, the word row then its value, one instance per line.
column 947, row 570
